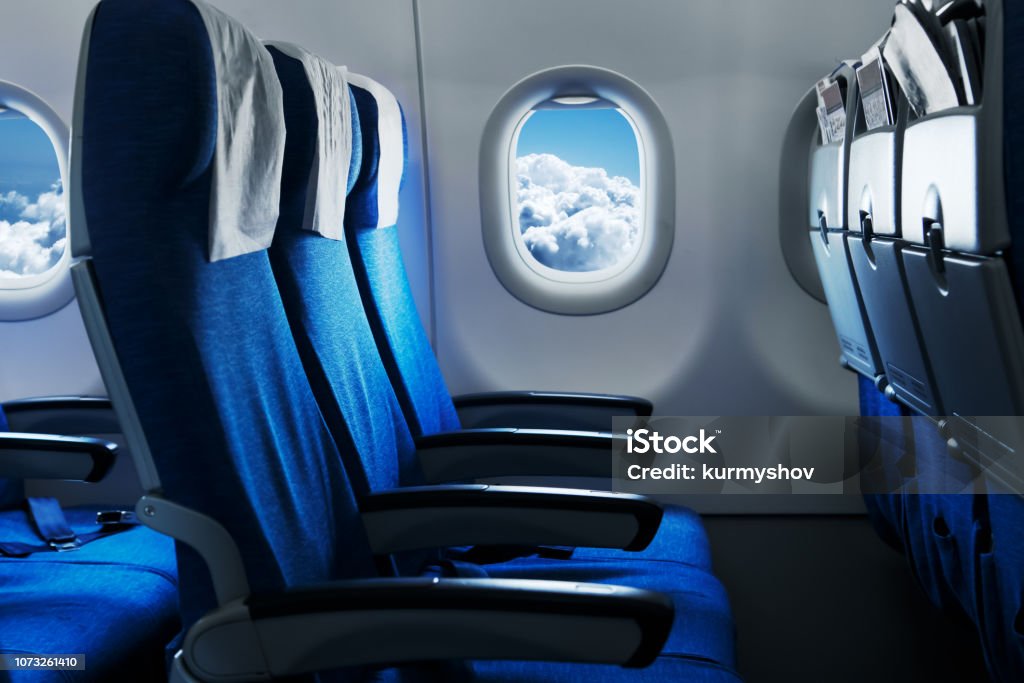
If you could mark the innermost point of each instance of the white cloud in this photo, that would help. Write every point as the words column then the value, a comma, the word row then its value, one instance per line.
column 33, row 237
column 13, row 201
column 576, row 218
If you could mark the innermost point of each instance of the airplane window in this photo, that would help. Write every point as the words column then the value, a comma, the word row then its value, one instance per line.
column 34, row 252
column 578, row 200
column 33, row 230
column 577, row 190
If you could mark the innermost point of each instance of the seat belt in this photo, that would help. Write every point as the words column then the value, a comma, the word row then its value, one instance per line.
column 52, row 526
column 489, row 554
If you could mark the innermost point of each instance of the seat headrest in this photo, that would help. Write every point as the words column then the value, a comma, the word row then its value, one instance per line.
column 375, row 196
column 249, row 150
column 330, row 170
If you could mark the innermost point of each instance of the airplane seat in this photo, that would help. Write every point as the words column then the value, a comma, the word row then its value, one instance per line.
column 854, row 178
column 334, row 339
column 119, row 580
column 151, row 84
column 245, row 469
column 380, row 273
column 372, row 242
column 1001, row 551
column 314, row 277
column 937, row 521
column 960, row 274
column 830, row 232
column 941, row 280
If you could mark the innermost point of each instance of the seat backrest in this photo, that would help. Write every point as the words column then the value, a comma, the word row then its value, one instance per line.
column 371, row 224
column 959, row 261
column 1002, row 554
column 319, row 291
column 204, row 347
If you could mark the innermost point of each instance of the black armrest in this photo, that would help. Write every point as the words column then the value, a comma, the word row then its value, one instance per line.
column 547, row 409
column 62, row 415
column 392, row 621
column 498, row 452
column 46, row 456
column 477, row 514
column 57, row 403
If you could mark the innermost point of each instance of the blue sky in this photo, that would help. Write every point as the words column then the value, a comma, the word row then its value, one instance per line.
column 32, row 223
column 595, row 138
column 27, row 162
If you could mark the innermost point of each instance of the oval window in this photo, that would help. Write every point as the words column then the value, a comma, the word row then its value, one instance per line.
column 577, row 190
column 578, row 204
column 34, row 251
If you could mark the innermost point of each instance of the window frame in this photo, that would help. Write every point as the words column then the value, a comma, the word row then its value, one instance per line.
column 566, row 292
column 35, row 296
column 532, row 261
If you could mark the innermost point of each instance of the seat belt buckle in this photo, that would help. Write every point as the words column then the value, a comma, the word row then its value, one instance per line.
column 65, row 544
column 115, row 518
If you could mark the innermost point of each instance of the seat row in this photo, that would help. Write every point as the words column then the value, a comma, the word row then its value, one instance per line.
column 285, row 412
column 912, row 191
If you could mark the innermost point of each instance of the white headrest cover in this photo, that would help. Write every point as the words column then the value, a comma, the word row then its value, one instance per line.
column 391, row 163
column 328, row 181
column 246, row 192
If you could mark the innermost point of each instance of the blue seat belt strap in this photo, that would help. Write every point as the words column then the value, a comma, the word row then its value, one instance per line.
column 52, row 526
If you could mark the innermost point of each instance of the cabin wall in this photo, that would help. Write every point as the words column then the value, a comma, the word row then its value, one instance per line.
column 726, row 330
column 39, row 44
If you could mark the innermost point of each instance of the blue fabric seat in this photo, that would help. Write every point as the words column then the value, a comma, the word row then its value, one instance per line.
column 216, row 381
column 362, row 412
column 205, row 347
column 703, row 627
column 333, row 336
column 667, row 668
column 114, row 599
column 333, row 327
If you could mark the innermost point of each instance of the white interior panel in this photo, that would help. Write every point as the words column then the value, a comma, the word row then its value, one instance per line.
column 726, row 330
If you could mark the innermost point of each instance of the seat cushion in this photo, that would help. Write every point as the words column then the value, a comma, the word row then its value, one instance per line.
column 667, row 669
column 138, row 547
column 703, row 627
column 113, row 600
column 681, row 538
